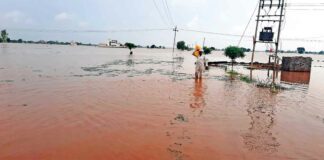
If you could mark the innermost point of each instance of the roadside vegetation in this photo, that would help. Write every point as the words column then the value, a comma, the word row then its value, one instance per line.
column 233, row 53
column 4, row 37
column 130, row 46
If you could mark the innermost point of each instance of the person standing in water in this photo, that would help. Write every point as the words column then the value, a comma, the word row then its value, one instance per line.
column 200, row 63
column 200, row 67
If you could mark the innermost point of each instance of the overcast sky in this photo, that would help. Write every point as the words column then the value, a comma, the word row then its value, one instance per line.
column 222, row 16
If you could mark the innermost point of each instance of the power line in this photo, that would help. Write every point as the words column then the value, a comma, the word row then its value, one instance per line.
column 317, row 37
column 215, row 33
column 302, row 40
column 90, row 31
column 164, row 8
column 314, row 39
column 304, row 9
column 168, row 11
column 236, row 35
column 248, row 24
column 160, row 14
column 305, row 4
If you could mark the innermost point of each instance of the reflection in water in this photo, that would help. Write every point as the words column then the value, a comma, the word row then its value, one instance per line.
column 3, row 47
column 177, row 64
column 143, row 67
column 257, row 74
column 130, row 61
column 180, row 133
column 198, row 103
column 295, row 77
column 261, row 110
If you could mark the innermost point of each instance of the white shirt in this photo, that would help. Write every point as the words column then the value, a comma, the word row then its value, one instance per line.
column 200, row 64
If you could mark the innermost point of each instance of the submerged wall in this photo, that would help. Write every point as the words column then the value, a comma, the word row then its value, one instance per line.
column 296, row 64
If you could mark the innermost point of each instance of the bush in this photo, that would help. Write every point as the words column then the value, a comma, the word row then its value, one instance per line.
column 234, row 52
column 181, row 45
column 130, row 46
column 207, row 50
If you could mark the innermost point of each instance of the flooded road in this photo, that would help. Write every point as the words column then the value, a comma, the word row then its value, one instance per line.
column 64, row 102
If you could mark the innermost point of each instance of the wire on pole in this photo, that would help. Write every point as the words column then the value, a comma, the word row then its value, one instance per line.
column 167, row 11
column 160, row 14
column 239, row 43
column 175, row 36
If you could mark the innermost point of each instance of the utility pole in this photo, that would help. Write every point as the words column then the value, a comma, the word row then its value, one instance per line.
column 267, row 35
column 278, row 39
column 204, row 43
column 255, row 35
column 175, row 36
column 174, row 42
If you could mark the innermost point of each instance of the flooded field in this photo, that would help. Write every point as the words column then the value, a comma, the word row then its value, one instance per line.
column 64, row 102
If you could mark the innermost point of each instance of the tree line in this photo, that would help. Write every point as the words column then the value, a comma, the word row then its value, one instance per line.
column 5, row 39
column 181, row 45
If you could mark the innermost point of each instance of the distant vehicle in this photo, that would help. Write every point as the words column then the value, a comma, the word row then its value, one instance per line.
column 301, row 50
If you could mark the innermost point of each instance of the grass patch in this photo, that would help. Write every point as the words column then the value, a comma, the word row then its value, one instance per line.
column 235, row 75
column 273, row 87
column 246, row 79
column 232, row 73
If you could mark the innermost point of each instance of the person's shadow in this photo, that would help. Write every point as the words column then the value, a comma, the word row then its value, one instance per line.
column 181, row 133
column 262, row 111
column 198, row 103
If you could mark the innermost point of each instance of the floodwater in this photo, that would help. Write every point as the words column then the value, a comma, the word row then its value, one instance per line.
column 68, row 102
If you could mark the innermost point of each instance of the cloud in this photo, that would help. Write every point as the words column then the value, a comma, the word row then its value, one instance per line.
column 63, row 16
column 237, row 29
column 15, row 16
column 70, row 20
column 83, row 24
column 193, row 23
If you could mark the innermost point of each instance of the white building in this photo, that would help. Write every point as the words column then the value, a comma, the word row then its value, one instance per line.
column 110, row 43
column 72, row 43
column 113, row 43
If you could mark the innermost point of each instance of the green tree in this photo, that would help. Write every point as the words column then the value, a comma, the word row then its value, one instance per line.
column 301, row 50
column 4, row 36
column 207, row 50
column 181, row 45
column 234, row 52
column 130, row 46
column 246, row 49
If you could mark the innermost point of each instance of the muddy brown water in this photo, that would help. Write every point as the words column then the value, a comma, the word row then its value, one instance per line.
column 64, row 102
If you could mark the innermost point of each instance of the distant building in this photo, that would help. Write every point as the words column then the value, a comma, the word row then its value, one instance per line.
column 113, row 43
column 102, row 45
column 72, row 43
column 42, row 42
